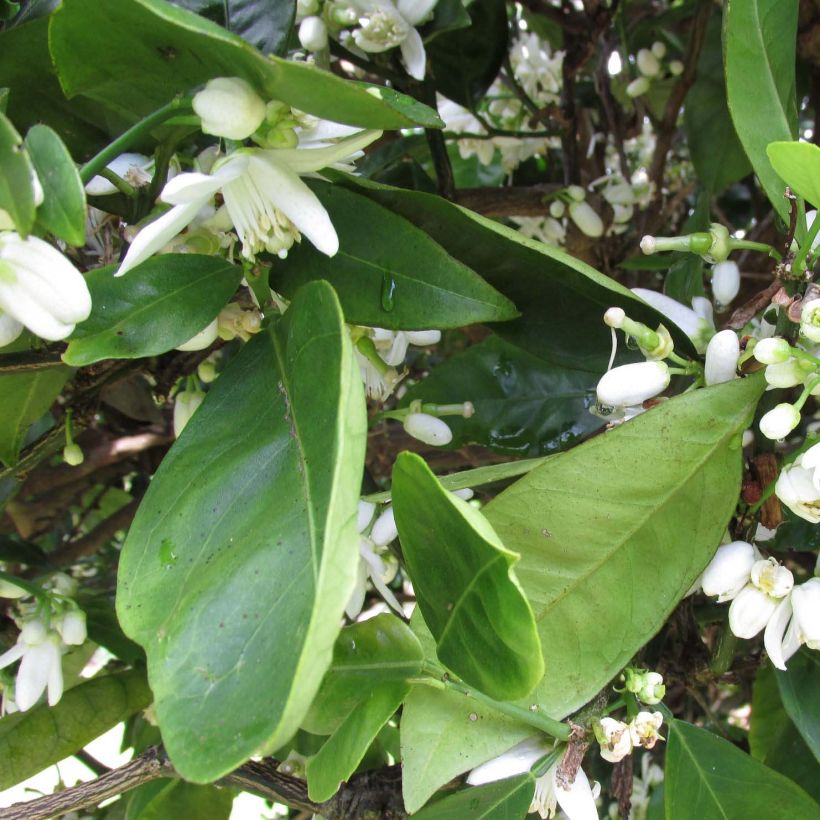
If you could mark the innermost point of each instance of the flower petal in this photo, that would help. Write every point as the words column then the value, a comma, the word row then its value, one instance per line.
column 517, row 760
column 10, row 329
column 414, row 11
column 193, row 187
column 413, row 55
column 750, row 612
column 33, row 675
column 577, row 802
column 310, row 160
column 775, row 629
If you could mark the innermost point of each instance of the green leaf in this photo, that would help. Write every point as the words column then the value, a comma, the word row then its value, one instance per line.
column 759, row 55
column 165, row 798
column 380, row 651
column 600, row 536
column 343, row 751
column 136, row 55
column 390, row 274
column 24, row 398
column 161, row 304
column 465, row 585
column 16, row 179
column 30, row 741
column 716, row 151
column 800, row 689
column 63, row 211
column 236, row 570
column 774, row 739
column 707, row 776
column 444, row 734
column 798, row 165
column 523, row 406
column 466, row 61
column 507, row 799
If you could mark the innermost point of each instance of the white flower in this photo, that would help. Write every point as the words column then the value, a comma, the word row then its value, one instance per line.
column 779, row 421
column 785, row 374
column 800, row 611
column 632, row 384
column 725, row 282
column 697, row 323
column 267, row 202
column 798, row 485
column 427, row 428
column 136, row 169
column 384, row 530
column 722, row 354
column 205, row 338
column 810, row 320
column 774, row 579
column 637, row 88
column 40, row 288
column 773, row 350
column 39, row 652
column 644, row 729
column 313, row 34
column 659, row 49
column 615, row 739
column 755, row 604
column 577, row 802
column 71, row 627
column 186, row 404
column 229, row 107
column 648, row 63
column 584, row 216
column 653, row 689
column 729, row 571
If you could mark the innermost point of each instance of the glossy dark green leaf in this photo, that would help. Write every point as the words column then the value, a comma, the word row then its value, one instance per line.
column 159, row 305
column 344, row 749
column 63, row 211
column 598, row 529
column 16, row 178
column 265, row 24
column 465, row 585
column 759, row 55
column 507, row 799
column 523, row 406
column 24, row 398
column 243, row 554
column 367, row 655
column 388, row 273
column 30, row 741
column 561, row 299
column 466, row 61
column 800, row 690
column 706, row 776
column 448, row 15
column 164, row 799
column 717, row 154
column 774, row 739
column 798, row 165
column 136, row 55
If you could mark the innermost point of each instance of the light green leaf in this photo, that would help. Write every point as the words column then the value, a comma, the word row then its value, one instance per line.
column 708, row 777
column 465, row 585
column 63, row 211
column 30, row 741
column 244, row 551
column 16, row 175
column 800, row 689
column 24, row 398
column 798, row 165
column 599, row 533
column 507, row 799
column 345, row 748
column 160, row 51
column 759, row 55
column 390, row 274
column 380, row 651
column 161, row 304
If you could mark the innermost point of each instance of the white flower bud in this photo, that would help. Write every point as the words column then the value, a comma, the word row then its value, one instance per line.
column 384, row 530
column 750, row 611
column 722, row 354
column 622, row 213
column 584, row 216
column 810, row 320
column 648, row 63
column 205, row 338
column 653, row 689
column 644, row 729
column 313, row 34
column 185, row 405
column 769, row 576
column 576, row 193
column 619, row 194
column 229, row 107
column 73, row 455
column 638, row 87
column 780, row 421
column 725, row 282
column 72, row 628
column 614, row 317
column 615, row 739
column 423, row 338
column 729, row 571
column 773, row 350
column 676, row 68
column 648, row 244
column 427, row 428
column 785, row 374
column 659, row 49
column 557, row 208
column 632, row 383
column 365, row 515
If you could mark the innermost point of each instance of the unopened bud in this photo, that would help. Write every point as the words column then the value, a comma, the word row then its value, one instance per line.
column 229, row 107
column 638, row 87
column 313, row 34
column 632, row 384
column 780, row 421
column 773, row 350
column 728, row 571
column 557, row 208
column 423, row 338
column 648, row 63
column 722, row 354
column 676, row 68
column 614, row 317
column 584, row 216
column 725, row 282
column 659, row 49
column 427, row 428
column 576, row 193
column 72, row 628
column 384, row 530
column 73, row 455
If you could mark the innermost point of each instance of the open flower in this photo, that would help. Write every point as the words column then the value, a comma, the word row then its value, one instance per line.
column 800, row 611
column 39, row 289
column 753, row 607
column 267, row 202
column 614, row 738
column 696, row 322
column 798, row 485
column 577, row 801
column 644, row 729
column 38, row 650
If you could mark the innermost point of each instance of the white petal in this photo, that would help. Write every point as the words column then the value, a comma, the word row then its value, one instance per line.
column 775, row 630
column 33, row 315
column 356, row 601
column 413, row 55
column 10, row 329
column 577, row 802
column 12, row 655
column 195, row 187
column 309, row 160
column 365, row 514
column 33, row 675
column 685, row 318
column 158, row 234
column 414, row 11
column 750, row 612
column 384, row 530
column 517, row 760
column 55, row 678
column 205, row 338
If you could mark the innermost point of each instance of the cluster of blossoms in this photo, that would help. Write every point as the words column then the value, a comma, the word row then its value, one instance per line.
column 367, row 27
column 617, row 739
column 763, row 596
column 649, row 62
column 49, row 624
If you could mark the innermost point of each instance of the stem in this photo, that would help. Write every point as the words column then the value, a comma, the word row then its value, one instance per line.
column 724, row 652
column 129, row 137
column 32, row 589
column 810, row 385
column 756, row 246
column 118, row 182
column 805, row 248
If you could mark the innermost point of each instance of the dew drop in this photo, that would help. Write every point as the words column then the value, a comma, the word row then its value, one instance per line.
column 388, row 295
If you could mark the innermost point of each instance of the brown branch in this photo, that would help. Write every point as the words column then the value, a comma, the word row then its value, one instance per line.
column 745, row 312
column 512, row 201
